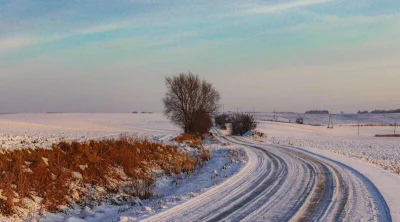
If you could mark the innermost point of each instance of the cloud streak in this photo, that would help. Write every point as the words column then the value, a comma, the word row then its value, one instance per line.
column 283, row 6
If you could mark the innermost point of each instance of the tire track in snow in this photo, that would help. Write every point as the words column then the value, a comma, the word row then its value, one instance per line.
column 272, row 183
column 318, row 190
column 284, row 184
column 354, row 197
column 236, row 188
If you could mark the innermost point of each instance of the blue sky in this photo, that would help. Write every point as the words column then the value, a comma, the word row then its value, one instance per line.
column 113, row 56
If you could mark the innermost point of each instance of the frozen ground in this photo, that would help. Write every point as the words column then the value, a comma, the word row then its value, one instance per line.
column 41, row 130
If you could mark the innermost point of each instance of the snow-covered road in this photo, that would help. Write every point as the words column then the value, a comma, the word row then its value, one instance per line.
column 285, row 184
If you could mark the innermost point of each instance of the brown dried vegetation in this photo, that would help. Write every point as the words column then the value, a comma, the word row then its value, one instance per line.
column 191, row 138
column 49, row 173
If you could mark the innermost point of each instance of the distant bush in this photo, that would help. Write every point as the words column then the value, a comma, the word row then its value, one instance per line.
column 65, row 174
column 221, row 121
column 241, row 123
column 299, row 120
column 317, row 112
column 386, row 111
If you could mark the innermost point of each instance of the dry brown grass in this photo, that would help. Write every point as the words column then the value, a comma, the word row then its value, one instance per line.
column 49, row 173
column 192, row 139
column 387, row 135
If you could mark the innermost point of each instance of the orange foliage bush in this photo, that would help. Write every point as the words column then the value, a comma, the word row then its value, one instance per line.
column 49, row 173
column 193, row 139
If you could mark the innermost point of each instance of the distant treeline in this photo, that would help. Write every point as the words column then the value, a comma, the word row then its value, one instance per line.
column 317, row 112
column 380, row 111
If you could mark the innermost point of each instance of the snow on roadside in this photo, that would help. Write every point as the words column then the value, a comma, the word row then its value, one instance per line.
column 20, row 131
column 381, row 153
column 343, row 140
column 171, row 191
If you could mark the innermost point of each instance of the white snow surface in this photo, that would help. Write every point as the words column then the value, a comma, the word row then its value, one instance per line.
column 42, row 130
column 282, row 184
column 19, row 131
column 338, row 119
column 387, row 183
column 344, row 140
column 378, row 159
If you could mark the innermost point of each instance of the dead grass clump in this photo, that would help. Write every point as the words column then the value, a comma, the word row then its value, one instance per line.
column 65, row 172
column 192, row 139
column 205, row 156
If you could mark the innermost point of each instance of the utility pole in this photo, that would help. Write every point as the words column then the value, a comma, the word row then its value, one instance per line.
column 274, row 115
column 358, row 126
column 330, row 124
column 254, row 110
column 395, row 125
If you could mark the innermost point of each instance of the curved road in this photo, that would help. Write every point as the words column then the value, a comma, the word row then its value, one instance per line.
column 285, row 184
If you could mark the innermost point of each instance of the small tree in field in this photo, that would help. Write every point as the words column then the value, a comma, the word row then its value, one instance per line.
column 189, row 102
column 241, row 123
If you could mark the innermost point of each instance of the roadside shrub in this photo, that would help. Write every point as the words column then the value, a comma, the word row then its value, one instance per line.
column 221, row 121
column 241, row 123
column 66, row 172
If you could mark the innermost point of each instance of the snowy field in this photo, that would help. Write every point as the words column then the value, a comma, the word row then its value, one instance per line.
column 371, row 156
column 344, row 140
column 338, row 119
column 41, row 130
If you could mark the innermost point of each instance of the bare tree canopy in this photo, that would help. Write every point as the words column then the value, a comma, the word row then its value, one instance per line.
column 186, row 96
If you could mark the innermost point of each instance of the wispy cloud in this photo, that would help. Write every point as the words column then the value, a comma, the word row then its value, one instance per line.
column 283, row 6
column 349, row 19
column 14, row 42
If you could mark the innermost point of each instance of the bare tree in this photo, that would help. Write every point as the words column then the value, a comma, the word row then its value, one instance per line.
column 186, row 96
